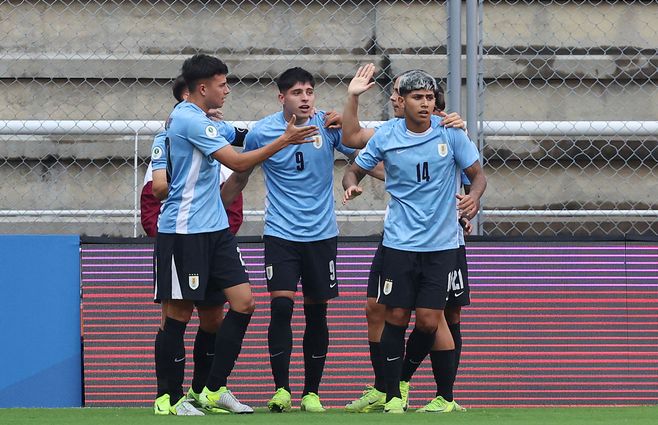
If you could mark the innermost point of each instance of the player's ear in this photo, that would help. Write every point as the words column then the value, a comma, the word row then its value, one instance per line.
column 281, row 98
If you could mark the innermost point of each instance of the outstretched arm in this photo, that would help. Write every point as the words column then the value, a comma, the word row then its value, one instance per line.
column 244, row 161
column 354, row 136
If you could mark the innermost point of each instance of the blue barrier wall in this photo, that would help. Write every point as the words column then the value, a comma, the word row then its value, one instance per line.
column 40, row 358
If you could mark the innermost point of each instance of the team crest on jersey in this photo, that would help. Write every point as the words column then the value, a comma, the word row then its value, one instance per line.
column 443, row 149
column 156, row 153
column 193, row 281
column 317, row 141
column 211, row 131
column 388, row 286
column 269, row 272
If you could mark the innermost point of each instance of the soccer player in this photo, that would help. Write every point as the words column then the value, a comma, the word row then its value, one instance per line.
column 197, row 258
column 420, row 230
column 150, row 204
column 458, row 296
column 374, row 396
column 300, row 234
column 210, row 316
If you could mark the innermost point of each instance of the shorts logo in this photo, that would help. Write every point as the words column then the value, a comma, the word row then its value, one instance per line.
column 211, row 131
column 455, row 280
column 443, row 149
column 388, row 286
column 269, row 272
column 317, row 141
column 193, row 281
column 157, row 153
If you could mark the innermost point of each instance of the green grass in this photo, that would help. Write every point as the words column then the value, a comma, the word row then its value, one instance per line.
column 143, row 416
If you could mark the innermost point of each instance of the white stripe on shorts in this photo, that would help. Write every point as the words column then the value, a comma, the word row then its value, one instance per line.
column 176, row 292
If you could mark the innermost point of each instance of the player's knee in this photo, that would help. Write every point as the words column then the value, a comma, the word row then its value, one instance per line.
column 375, row 313
column 428, row 322
column 281, row 308
column 398, row 316
column 427, row 327
column 180, row 311
column 210, row 324
column 246, row 305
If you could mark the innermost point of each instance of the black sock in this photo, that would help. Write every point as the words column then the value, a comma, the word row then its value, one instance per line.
column 228, row 344
column 377, row 365
column 418, row 346
column 204, row 353
column 455, row 330
column 392, row 345
column 279, row 341
column 443, row 367
column 316, row 344
column 170, row 359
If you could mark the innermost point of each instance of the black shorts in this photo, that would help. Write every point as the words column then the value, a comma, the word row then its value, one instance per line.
column 314, row 262
column 412, row 279
column 197, row 267
column 459, row 292
column 375, row 272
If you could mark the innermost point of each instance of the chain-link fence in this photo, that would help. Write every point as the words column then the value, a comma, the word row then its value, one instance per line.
column 592, row 62
column 86, row 84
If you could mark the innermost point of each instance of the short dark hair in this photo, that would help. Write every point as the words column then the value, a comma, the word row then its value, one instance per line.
column 292, row 76
column 440, row 96
column 178, row 88
column 416, row 80
column 200, row 67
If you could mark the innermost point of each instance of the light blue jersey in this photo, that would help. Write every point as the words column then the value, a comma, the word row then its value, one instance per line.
column 193, row 204
column 159, row 149
column 225, row 129
column 299, row 203
column 421, row 179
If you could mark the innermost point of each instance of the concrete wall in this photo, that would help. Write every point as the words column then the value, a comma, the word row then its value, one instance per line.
column 81, row 60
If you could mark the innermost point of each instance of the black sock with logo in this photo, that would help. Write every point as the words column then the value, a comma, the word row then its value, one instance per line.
column 392, row 344
column 279, row 340
column 316, row 344
column 170, row 359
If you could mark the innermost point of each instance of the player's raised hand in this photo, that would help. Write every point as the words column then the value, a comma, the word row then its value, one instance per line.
column 297, row 135
column 351, row 193
column 361, row 81
column 452, row 120
column 333, row 119
column 468, row 206
column 215, row 114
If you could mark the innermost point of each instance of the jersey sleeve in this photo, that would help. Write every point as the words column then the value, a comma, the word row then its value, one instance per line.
column 371, row 155
column 252, row 140
column 205, row 137
column 159, row 152
column 336, row 137
column 226, row 130
column 466, row 154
